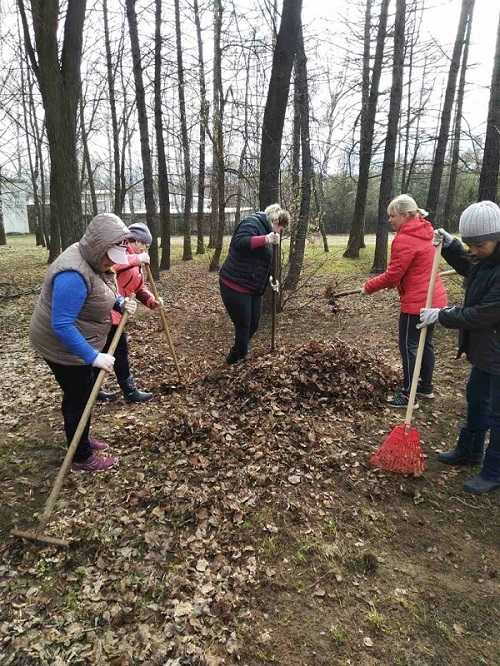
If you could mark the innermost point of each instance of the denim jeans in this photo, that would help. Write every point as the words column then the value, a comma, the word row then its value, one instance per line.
column 483, row 413
column 409, row 336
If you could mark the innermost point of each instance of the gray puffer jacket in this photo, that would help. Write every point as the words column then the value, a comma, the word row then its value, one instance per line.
column 94, row 319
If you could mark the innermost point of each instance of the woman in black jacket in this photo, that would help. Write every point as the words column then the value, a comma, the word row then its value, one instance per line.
column 478, row 322
column 244, row 275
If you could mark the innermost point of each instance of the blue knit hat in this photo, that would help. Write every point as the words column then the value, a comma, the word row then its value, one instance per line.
column 141, row 233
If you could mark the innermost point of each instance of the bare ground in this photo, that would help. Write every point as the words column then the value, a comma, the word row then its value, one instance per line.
column 203, row 548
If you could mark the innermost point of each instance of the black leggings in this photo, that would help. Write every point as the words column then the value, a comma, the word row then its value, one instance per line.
column 244, row 311
column 76, row 382
column 121, row 367
column 409, row 336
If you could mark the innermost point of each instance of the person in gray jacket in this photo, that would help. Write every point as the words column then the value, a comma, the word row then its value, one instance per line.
column 71, row 322
column 478, row 323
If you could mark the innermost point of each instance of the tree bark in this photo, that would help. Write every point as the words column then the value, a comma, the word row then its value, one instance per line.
column 387, row 178
column 444, row 129
column 204, row 110
column 58, row 73
column 296, row 260
column 147, row 168
column 218, row 139
column 276, row 103
column 187, row 253
column 3, row 237
column 367, row 128
column 86, row 159
column 488, row 180
column 163, row 186
column 118, row 198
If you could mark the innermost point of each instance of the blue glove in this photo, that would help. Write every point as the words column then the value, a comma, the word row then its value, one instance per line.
column 428, row 316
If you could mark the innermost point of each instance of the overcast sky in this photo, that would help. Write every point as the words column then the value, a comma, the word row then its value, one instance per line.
column 440, row 23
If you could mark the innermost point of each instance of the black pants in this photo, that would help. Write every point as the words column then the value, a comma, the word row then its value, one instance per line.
column 121, row 367
column 244, row 311
column 408, row 344
column 76, row 382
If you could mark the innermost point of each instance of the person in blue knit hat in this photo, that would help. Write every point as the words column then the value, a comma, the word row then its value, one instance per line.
column 478, row 323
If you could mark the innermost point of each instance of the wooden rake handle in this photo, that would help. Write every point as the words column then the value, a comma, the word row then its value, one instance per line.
column 164, row 322
column 421, row 340
column 56, row 489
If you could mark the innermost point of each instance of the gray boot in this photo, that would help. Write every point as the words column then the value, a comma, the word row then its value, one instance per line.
column 488, row 478
column 468, row 451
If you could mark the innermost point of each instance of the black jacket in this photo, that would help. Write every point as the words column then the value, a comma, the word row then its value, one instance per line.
column 246, row 267
column 478, row 320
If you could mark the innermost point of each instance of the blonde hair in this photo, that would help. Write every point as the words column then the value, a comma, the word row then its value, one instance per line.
column 276, row 214
column 404, row 204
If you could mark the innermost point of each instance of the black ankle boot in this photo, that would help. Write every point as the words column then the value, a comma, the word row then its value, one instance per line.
column 468, row 451
column 106, row 396
column 233, row 357
column 132, row 393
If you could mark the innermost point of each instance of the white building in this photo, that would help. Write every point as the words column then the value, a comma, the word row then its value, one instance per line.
column 15, row 212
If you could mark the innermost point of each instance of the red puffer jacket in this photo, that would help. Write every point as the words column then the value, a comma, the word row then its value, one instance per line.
column 130, row 281
column 409, row 270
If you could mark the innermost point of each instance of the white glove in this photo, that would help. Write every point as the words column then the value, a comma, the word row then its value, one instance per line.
column 272, row 238
column 104, row 362
column 442, row 234
column 428, row 316
column 130, row 306
column 143, row 258
column 363, row 291
column 154, row 303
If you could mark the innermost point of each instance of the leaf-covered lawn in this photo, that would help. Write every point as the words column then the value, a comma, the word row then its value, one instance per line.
column 243, row 524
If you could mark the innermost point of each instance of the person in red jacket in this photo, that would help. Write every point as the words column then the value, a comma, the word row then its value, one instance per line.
column 412, row 253
column 130, row 281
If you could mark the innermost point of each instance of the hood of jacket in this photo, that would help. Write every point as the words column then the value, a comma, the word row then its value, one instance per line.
column 417, row 227
column 104, row 231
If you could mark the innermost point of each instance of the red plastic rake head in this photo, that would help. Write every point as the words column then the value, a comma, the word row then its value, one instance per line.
column 400, row 452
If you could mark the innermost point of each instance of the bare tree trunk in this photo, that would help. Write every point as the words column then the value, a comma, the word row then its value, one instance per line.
column 3, row 237
column 488, row 180
column 218, row 139
column 277, row 98
column 187, row 253
column 131, row 200
column 117, row 205
column 204, row 109
column 387, row 179
column 444, row 130
column 214, row 205
column 368, row 114
column 86, row 158
column 30, row 139
column 295, row 202
column 457, row 132
column 149, row 198
column 58, row 72
column 163, row 186
column 296, row 260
